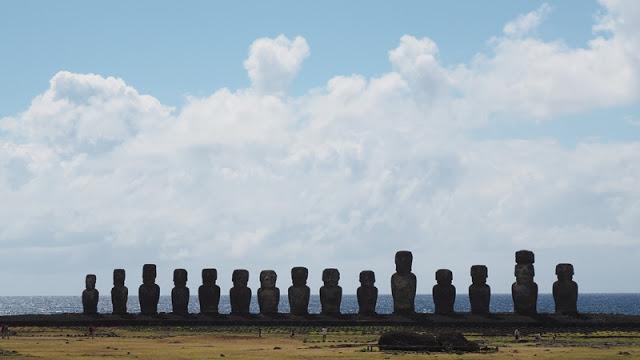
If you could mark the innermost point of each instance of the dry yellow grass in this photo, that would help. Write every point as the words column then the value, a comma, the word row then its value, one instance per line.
column 211, row 343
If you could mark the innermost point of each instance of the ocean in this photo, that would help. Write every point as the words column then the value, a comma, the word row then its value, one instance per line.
column 587, row 303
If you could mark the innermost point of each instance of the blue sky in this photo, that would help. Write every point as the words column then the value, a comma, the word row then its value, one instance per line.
column 327, row 134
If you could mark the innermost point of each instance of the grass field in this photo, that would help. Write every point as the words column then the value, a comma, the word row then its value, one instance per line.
column 277, row 343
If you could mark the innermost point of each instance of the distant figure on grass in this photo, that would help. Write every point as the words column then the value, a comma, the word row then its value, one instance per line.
column 4, row 330
column 92, row 331
column 516, row 334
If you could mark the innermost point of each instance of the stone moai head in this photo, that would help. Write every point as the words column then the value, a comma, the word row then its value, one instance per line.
column 367, row 278
column 524, row 273
column 330, row 277
column 404, row 259
column 299, row 276
column 564, row 272
column 118, row 277
column 479, row 274
column 209, row 276
column 444, row 277
column 525, row 257
column 149, row 273
column 240, row 277
column 90, row 281
column 268, row 279
column 180, row 277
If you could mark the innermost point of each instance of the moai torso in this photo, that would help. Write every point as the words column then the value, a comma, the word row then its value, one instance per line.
column 403, row 284
column 330, row 292
column 444, row 293
column 119, row 292
column 90, row 296
column 180, row 292
column 299, row 292
column 524, row 291
column 479, row 291
column 367, row 293
column 240, row 294
column 209, row 292
column 268, row 294
column 149, row 291
column 565, row 290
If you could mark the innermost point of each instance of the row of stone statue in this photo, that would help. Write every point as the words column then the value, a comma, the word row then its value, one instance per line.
column 403, row 288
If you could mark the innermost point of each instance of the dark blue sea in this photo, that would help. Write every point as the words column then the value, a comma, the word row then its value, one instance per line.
column 587, row 303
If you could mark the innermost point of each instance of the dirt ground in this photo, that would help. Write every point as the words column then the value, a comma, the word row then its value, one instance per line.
column 280, row 343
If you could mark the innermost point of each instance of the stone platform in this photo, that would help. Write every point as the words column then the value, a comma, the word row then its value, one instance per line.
column 499, row 322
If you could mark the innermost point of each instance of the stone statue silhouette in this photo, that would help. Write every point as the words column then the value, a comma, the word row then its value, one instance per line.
column 209, row 292
column 479, row 291
column 240, row 294
column 180, row 292
column 565, row 290
column 268, row 293
column 119, row 292
column 299, row 292
column 367, row 293
column 524, row 291
column 403, row 285
column 149, row 291
column 330, row 292
column 444, row 293
column 90, row 296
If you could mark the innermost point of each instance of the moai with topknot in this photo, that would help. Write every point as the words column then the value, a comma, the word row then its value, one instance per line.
column 90, row 296
column 330, row 292
column 149, row 291
column 524, row 291
column 268, row 294
column 180, row 292
column 240, row 294
column 444, row 293
column 367, row 293
column 479, row 291
column 403, row 285
column 299, row 292
column 119, row 293
column 209, row 292
column 565, row 290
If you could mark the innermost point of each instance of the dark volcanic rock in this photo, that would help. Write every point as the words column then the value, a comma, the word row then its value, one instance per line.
column 411, row 341
column 524, row 291
column 444, row 293
column 565, row 290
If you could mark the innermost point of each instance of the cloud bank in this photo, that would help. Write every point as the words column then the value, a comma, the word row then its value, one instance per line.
column 95, row 175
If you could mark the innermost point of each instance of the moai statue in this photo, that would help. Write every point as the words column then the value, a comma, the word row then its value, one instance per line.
column 90, row 296
column 180, row 292
column 299, row 292
column 209, row 292
column 240, row 294
column 268, row 294
column 367, row 293
column 403, row 285
column 444, row 293
column 479, row 291
column 119, row 293
column 149, row 291
column 565, row 290
column 524, row 291
column 330, row 292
